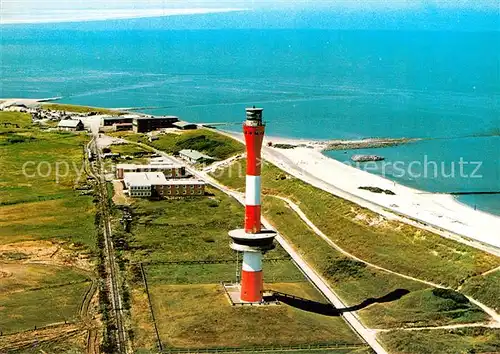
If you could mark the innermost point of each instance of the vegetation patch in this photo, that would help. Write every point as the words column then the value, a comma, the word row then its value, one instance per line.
column 176, row 230
column 80, row 109
column 485, row 288
column 275, row 272
column 36, row 276
column 199, row 316
column 203, row 140
column 464, row 340
column 21, row 311
column 424, row 308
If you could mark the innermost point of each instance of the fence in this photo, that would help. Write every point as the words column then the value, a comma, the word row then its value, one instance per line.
column 262, row 349
column 144, row 279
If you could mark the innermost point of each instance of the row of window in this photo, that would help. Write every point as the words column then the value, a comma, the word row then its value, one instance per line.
column 140, row 187
column 141, row 194
column 183, row 192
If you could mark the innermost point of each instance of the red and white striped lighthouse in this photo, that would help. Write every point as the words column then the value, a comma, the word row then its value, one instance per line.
column 253, row 241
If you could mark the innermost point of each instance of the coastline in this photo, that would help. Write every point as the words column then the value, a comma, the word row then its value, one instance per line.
column 442, row 212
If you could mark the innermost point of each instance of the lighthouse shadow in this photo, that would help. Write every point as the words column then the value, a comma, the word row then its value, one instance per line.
column 327, row 309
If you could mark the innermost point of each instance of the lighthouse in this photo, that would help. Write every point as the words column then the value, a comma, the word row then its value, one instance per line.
column 252, row 240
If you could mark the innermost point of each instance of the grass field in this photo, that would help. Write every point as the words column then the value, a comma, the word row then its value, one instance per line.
column 275, row 271
column 18, row 277
column 21, row 311
column 80, row 109
column 185, row 229
column 389, row 244
column 69, row 218
column 457, row 341
column 190, row 306
column 37, row 179
column 127, row 149
column 41, row 211
column 49, row 341
column 208, row 142
column 193, row 316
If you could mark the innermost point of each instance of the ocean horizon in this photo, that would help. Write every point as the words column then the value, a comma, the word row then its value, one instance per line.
column 313, row 84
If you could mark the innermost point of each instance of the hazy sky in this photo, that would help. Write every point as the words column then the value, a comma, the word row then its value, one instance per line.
column 29, row 5
column 40, row 11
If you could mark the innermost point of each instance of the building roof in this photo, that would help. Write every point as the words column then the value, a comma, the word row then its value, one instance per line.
column 147, row 179
column 69, row 123
column 185, row 181
column 123, row 124
column 155, row 117
column 144, row 178
column 131, row 166
column 182, row 124
column 195, row 155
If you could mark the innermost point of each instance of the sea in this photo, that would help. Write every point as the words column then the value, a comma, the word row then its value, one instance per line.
column 440, row 86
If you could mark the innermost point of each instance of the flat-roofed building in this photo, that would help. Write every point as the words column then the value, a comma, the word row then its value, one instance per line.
column 194, row 156
column 170, row 170
column 70, row 125
column 156, row 185
column 184, row 125
column 147, row 124
column 108, row 121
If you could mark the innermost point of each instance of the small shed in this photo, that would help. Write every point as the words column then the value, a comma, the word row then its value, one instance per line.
column 194, row 156
column 70, row 125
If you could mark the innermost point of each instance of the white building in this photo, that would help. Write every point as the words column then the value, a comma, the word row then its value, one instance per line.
column 155, row 184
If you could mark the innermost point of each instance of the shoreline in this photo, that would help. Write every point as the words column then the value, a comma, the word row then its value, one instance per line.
column 442, row 212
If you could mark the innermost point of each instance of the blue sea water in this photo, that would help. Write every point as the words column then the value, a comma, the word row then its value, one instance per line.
column 321, row 84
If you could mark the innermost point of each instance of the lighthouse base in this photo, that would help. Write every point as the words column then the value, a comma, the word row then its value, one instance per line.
column 233, row 293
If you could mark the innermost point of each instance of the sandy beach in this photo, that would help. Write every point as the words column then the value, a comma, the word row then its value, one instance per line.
column 439, row 212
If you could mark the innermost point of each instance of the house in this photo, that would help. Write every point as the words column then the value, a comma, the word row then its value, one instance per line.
column 194, row 156
column 70, row 125
column 184, row 125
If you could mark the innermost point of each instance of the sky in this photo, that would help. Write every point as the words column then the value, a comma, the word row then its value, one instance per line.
column 40, row 11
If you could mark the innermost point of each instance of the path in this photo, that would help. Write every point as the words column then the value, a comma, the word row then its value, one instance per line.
column 456, row 326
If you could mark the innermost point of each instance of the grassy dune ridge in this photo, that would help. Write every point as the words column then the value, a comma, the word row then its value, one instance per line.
column 357, row 284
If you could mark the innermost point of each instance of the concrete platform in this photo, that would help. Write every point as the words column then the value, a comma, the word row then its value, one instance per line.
column 233, row 294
